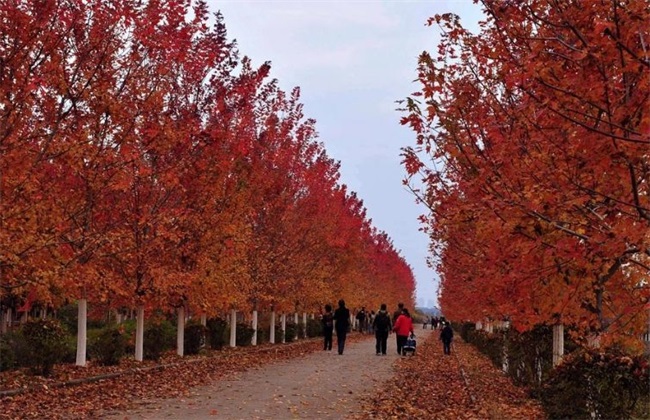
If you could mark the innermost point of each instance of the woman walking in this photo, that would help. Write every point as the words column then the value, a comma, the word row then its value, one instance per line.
column 403, row 327
column 328, row 327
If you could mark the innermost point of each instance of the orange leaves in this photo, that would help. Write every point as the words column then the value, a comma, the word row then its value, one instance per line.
column 152, row 165
column 539, row 195
column 464, row 385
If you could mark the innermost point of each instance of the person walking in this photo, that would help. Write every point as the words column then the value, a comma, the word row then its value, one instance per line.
column 382, row 326
column 396, row 314
column 371, row 321
column 361, row 317
column 446, row 335
column 403, row 327
column 328, row 327
column 341, row 324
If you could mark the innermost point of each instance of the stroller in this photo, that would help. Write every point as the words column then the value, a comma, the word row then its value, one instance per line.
column 409, row 346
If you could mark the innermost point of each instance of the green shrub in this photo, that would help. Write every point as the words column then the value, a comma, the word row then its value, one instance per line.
column 18, row 348
column 194, row 338
column 158, row 337
column 108, row 345
column 278, row 334
column 47, row 344
column 263, row 335
column 68, row 314
column 465, row 330
column 7, row 354
column 244, row 335
column 291, row 332
column 604, row 384
column 530, row 355
column 217, row 332
column 314, row 328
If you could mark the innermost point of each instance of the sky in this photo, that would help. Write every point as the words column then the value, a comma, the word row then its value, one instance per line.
column 352, row 60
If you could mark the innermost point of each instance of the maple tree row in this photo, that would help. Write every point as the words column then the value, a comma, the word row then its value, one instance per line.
column 532, row 144
column 144, row 163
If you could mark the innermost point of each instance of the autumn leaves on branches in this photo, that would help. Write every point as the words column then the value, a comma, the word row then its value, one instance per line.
column 142, row 162
column 532, row 144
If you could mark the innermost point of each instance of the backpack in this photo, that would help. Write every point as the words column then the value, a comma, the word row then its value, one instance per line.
column 328, row 320
column 382, row 322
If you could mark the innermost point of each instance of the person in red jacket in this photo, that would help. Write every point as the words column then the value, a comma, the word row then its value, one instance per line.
column 403, row 327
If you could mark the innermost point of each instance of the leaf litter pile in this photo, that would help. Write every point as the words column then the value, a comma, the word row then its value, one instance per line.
column 66, row 395
column 430, row 385
column 464, row 385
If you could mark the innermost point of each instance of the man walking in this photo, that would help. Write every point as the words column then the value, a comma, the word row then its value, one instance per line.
column 361, row 317
column 396, row 314
column 382, row 326
column 341, row 324
column 446, row 335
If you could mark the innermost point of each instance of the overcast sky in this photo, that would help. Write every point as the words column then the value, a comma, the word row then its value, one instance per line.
column 352, row 60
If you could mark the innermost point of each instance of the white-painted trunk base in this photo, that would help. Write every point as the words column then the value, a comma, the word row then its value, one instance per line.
column 233, row 328
column 180, row 332
column 139, row 334
column 295, row 322
column 254, row 325
column 272, row 332
column 558, row 343
column 82, row 316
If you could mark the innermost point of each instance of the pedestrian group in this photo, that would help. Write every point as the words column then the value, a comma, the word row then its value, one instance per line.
column 382, row 324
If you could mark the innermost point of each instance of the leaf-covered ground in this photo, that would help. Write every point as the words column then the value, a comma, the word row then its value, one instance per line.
column 429, row 385
column 171, row 377
column 464, row 385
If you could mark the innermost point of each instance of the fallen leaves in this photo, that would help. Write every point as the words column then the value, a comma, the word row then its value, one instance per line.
column 56, row 398
column 430, row 385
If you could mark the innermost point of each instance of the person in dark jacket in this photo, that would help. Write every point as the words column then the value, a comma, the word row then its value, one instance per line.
column 341, row 324
column 382, row 326
column 328, row 327
column 446, row 335
column 396, row 314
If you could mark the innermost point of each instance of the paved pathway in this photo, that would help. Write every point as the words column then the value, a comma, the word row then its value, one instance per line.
column 320, row 385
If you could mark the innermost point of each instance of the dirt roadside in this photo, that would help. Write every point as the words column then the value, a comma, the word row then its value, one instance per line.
column 322, row 385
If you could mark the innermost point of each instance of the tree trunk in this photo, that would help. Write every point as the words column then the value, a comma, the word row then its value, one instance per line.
column 272, row 332
column 304, row 324
column 558, row 343
column 295, row 322
column 139, row 334
column 180, row 332
column 3, row 322
column 82, row 316
column 233, row 328
column 204, row 319
column 283, row 320
column 254, row 339
column 647, row 340
column 504, row 362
